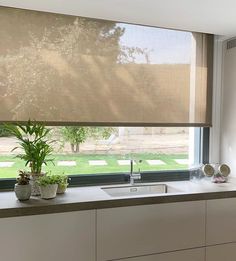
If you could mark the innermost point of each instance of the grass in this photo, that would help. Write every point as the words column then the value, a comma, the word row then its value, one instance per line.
column 83, row 166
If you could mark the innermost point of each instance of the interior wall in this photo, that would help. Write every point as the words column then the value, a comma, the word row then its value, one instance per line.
column 228, row 116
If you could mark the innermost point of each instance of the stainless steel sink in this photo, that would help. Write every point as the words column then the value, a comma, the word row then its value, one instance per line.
column 120, row 191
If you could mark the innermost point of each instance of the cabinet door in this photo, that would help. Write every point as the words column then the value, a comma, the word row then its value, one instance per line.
column 226, row 252
column 221, row 221
column 64, row 236
column 186, row 255
column 142, row 230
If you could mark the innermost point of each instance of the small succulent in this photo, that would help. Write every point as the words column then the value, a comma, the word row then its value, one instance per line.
column 23, row 178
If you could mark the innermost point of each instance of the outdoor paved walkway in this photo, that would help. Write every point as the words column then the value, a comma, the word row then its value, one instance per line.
column 97, row 163
column 155, row 162
column 182, row 161
column 72, row 163
column 68, row 163
column 124, row 162
column 6, row 164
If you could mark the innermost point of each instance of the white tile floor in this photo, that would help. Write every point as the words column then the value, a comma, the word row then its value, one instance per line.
column 124, row 162
column 182, row 161
column 6, row 164
column 68, row 163
column 155, row 162
column 97, row 163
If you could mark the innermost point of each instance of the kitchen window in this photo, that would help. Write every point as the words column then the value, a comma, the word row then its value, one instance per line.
column 134, row 91
column 107, row 151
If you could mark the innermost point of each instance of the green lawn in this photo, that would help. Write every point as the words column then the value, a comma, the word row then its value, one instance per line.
column 83, row 166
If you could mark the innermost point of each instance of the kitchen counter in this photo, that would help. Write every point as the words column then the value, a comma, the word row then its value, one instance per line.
column 85, row 198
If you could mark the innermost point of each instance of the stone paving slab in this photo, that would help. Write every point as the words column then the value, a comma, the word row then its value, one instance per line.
column 97, row 163
column 7, row 164
column 182, row 161
column 155, row 162
column 124, row 162
column 69, row 163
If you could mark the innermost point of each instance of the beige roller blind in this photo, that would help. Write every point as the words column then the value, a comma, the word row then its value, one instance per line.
column 71, row 70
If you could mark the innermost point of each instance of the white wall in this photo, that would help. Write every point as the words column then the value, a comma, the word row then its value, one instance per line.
column 228, row 112
column 216, row 100
column 182, row 14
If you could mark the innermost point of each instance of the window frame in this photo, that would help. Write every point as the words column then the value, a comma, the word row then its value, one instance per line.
column 201, row 143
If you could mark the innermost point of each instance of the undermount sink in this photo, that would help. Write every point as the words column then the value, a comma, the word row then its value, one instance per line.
column 136, row 190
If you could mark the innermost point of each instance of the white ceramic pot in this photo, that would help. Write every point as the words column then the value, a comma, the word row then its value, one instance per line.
column 33, row 181
column 61, row 189
column 23, row 192
column 49, row 191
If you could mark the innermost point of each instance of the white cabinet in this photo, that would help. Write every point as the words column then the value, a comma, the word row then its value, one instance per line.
column 60, row 237
column 226, row 252
column 160, row 232
column 142, row 230
column 221, row 221
column 186, row 255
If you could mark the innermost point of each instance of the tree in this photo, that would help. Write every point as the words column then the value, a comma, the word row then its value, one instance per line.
column 101, row 132
column 4, row 132
column 76, row 135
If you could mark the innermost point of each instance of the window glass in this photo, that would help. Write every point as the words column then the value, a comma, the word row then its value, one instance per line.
column 93, row 150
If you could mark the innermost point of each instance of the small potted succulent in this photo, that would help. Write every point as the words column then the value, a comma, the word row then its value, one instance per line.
column 48, row 185
column 23, row 187
column 62, row 181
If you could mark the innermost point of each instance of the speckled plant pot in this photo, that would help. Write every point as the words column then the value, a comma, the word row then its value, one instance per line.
column 23, row 192
column 49, row 191
column 61, row 188
column 35, row 191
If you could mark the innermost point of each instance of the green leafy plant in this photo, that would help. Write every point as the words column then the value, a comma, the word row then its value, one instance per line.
column 47, row 180
column 23, row 178
column 62, row 180
column 102, row 132
column 33, row 142
column 4, row 132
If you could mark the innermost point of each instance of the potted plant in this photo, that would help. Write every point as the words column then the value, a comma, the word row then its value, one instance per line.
column 35, row 148
column 62, row 181
column 22, row 187
column 48, row 186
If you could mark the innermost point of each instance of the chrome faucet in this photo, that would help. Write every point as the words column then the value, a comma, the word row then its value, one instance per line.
column 134, row 176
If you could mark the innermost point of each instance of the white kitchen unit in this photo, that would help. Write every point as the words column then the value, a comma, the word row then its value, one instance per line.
column 53, row 237
column 183, row 231
column 221, row 221
column 185, row 255
column 142, row 230
column 226, row 252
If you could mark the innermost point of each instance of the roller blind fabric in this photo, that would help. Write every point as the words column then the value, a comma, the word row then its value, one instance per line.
column 63, row 69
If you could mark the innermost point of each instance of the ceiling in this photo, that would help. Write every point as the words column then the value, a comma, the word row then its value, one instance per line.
column 210, row 16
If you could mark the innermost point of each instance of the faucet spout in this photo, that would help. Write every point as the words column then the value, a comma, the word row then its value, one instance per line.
column 133, row 176
column 131, row 166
